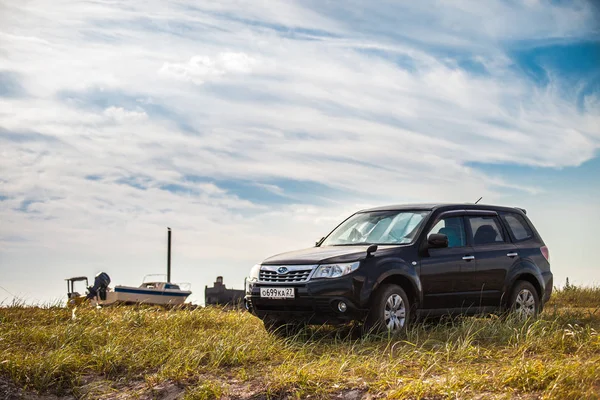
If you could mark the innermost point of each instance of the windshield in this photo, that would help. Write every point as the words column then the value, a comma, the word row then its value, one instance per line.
column 377, row 227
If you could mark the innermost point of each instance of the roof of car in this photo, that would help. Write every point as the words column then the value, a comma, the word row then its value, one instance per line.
column 446, row 206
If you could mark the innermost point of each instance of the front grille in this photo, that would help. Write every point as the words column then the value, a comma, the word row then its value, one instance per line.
column 300, row 275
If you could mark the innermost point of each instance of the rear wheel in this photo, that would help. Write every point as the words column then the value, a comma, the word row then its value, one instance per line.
column 524, row 301
column 390, row 311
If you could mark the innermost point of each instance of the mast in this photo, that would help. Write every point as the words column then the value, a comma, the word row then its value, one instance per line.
column 169, row 255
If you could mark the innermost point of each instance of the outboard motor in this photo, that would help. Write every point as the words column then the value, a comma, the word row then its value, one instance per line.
column 101, row 283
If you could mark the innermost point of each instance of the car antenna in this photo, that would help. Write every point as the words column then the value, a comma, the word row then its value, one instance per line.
column 478, row 200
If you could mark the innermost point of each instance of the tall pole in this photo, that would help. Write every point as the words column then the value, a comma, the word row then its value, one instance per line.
column 169, row 256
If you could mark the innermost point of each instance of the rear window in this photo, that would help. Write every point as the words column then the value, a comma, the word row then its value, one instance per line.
column 518, row 226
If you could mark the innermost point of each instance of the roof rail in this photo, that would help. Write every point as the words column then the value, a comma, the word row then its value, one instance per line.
column 522, row 209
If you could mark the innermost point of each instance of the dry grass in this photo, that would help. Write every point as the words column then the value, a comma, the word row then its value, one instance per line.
column 213, row 353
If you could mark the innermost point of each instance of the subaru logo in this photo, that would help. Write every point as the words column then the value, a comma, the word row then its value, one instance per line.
column 282, row 270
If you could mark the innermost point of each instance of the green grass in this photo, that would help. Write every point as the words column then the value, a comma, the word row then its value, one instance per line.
column 576, row 296
column 210, row 353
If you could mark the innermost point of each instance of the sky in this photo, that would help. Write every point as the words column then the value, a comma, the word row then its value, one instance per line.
column 254, row 128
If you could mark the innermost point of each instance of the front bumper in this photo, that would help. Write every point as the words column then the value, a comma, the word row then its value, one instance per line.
column 315, row 302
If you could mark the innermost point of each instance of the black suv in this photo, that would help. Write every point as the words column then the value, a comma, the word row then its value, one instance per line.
column 386, row 266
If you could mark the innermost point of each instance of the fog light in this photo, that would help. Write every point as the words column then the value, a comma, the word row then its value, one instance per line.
column 342, row 306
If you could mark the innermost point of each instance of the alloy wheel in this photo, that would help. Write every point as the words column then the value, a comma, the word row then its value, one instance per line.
column 394, row 314
column 525, row 304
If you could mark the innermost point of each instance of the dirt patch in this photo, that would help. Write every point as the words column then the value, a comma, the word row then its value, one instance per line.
column 10, row 391
column 139, row 390
column 100, row 389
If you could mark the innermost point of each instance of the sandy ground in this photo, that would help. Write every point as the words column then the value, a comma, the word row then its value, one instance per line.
column 9, row 391
column 103, row 390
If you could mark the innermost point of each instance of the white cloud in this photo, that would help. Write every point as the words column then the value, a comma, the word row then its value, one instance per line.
column 119, row 114
column 202, row 68
column 367, row 103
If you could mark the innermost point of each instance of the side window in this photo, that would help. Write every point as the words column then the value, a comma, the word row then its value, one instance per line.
column 518, row 226
column 453, row 228
column 485, row 230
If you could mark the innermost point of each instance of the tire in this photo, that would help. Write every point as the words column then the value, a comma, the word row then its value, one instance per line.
column 282, row 328
column 524, row 301
column 390, row 311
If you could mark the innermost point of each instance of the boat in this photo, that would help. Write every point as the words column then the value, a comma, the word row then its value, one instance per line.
column 153, row 290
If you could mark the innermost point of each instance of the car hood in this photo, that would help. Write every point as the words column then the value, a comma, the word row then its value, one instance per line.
column 321, row 255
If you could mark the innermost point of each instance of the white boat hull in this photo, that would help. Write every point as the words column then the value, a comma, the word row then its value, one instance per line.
column 129, row 294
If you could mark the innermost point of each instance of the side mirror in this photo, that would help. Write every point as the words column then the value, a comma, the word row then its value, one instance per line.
column 437, row 241
column 371, row 249
column 318, row 242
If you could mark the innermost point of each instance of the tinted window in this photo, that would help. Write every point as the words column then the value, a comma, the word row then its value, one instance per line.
column 485, row 230
column 453, row 228
column 518, row 226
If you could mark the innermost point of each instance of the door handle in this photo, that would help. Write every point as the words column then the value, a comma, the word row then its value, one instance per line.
column 468, row 258
column 512, row 254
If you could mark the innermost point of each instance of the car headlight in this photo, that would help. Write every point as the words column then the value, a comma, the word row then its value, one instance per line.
column 254, row 273
column 335, row 270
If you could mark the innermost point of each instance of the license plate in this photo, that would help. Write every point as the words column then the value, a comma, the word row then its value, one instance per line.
column 277, row 293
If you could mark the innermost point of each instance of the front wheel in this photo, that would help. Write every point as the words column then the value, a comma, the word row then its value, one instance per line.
column 524, row 302
column 390, row 311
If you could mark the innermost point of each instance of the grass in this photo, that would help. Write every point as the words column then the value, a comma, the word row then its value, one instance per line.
column 210, row 353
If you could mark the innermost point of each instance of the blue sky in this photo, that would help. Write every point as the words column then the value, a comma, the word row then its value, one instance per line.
column 254, row 128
